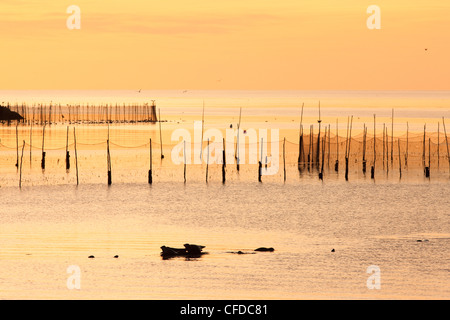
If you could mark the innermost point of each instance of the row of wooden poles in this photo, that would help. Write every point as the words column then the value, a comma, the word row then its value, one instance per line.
column 315, row 157
column 42, row 114
column 312, row 158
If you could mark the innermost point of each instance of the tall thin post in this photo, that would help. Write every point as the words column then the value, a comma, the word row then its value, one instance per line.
column 392, row 138
column 17, row 144
column 336, row 165
column 446, row 142
column 184, row 155
column 223, row 161
column 438, row 147
column 67, row 151
column 399, row 159
column 21, row 160
column 372, row 171
column 364, row 150
column 207, row 162
column 43, row 152
column 31, row 140
column 76, row 155
column 160, row 134
column 284, row 158
column 407, row 144
column 260, row 162
column 150, row 177
column 203, row 123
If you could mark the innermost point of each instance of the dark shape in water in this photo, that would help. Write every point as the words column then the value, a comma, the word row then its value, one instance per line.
column 91, row 257
column 116, row 256
column 263, row 249
column 190, row 250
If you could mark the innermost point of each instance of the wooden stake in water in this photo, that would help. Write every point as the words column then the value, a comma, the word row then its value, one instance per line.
column 284, row 158
column 109, row 162
column 160, row 134
column 43, row 152
column 67, row 151
column 336, row 165
column 438, row 147
column 446, row 142
column 21, row 160
column 407, row 144
column 207, row 162
column 300, row 142
column 372, row 170
column 76, row 155
column 223, row 161
column 236, row 152
column 150, row 177
column 399, row 159
column 364, row 150
column 184, row 154
column 423, row 150
column 17, row 144
column 260, row 163
column 31, row 137
column 392, row 138
column 203, row 123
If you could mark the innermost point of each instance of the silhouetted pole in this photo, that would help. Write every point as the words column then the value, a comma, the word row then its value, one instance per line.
column 446, row 142
column 336, row 165
column 284, row 158
column 372, row 170
column 184, row 154
column 160, row 134
column 67, row 151
column 260, row 163
column 31, row 137
column 76, row 155
column 17, row 144
column 207, row 163
column 364, row 149
column 43, row 152
column 21, row 160
column 223, row 161
column 150, row 177
column 392, row 138
column 399, row 160
column 407, row 144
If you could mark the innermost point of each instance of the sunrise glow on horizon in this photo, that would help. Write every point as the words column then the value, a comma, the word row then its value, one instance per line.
column 267, row 45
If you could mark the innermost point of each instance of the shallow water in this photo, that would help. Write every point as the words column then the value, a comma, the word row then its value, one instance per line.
column 51, row 223
column 367, row 224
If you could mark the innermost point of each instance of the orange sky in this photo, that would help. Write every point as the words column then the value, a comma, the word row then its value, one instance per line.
column 226, row 44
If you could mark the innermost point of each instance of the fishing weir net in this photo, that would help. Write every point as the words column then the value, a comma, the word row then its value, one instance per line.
column 288, row 157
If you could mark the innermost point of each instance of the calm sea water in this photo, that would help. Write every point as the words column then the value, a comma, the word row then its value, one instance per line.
column 400, row 226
